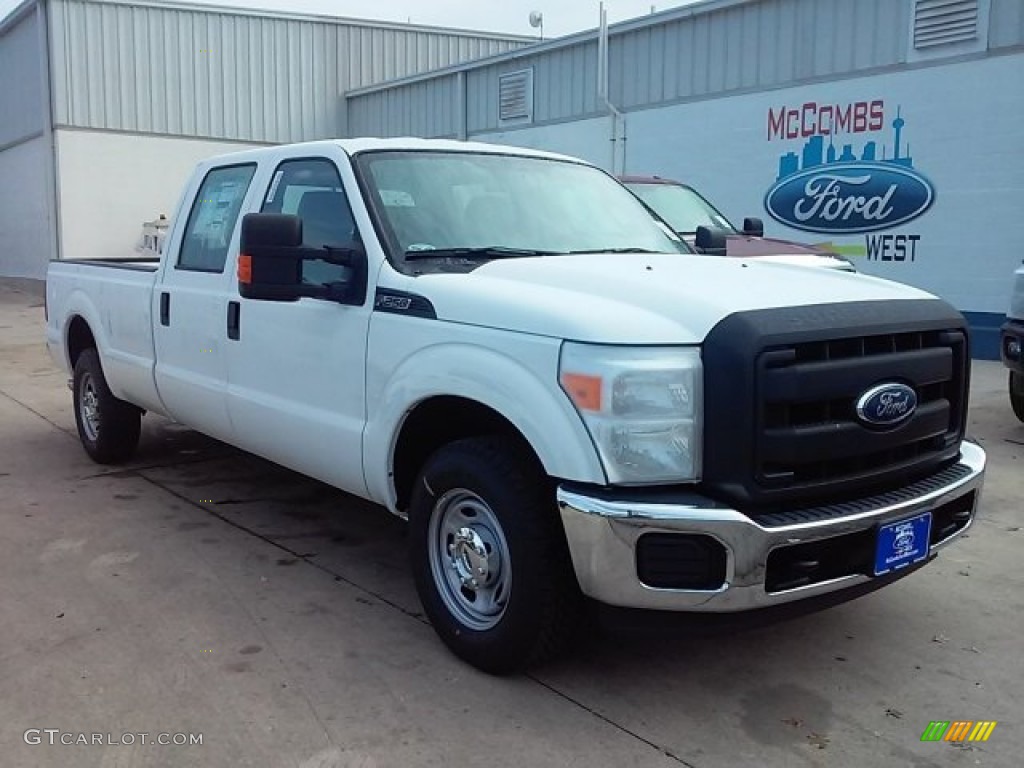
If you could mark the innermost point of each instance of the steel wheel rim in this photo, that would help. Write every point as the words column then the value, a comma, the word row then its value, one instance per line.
column 469, row 559
column 89, row 407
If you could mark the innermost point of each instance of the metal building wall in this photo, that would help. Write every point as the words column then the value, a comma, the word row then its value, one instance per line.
column 26, row 159
column 1006, row 27
column 21, row 79
column 755, row 45
column 226, row 74
column 429, row 108
column 564, row 87
column 708, row 50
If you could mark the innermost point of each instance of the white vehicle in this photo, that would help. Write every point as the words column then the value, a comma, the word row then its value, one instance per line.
column 504, row 347
column 1012, row 344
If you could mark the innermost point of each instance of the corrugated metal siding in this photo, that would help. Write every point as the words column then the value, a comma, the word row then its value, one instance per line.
column 750, row 45
column 754, row 45
column 21, row 81
column 564, row 83
column 431, row 108
column 1006, row 24
column 218, row 74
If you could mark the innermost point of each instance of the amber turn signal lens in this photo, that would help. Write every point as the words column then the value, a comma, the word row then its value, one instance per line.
column 585, row 391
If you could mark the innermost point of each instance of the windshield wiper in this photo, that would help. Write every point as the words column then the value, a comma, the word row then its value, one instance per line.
column 616, row 250
column 484, row 252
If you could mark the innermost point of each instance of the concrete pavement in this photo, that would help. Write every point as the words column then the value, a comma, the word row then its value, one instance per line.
column 200, row 590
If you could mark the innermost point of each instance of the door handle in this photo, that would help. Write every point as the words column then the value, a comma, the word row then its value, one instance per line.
column 234, row 319
column 165, row 308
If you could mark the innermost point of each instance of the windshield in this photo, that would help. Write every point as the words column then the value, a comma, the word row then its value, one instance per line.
column 499, row 206
column 681, row 207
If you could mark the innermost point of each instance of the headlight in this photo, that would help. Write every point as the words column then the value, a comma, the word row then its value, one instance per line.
column 642, row 407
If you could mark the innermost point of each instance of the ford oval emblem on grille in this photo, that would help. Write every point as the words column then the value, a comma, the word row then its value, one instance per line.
column 886, row 405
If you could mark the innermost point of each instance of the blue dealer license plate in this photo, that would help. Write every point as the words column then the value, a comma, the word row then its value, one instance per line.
column 902, row 543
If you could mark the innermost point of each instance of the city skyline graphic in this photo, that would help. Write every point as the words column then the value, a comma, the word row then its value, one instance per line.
column 814, row 153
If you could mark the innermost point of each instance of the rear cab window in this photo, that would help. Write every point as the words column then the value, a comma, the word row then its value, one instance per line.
column 212, row 220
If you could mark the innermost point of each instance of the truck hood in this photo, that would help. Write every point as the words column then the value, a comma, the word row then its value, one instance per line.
column 810, row 260
column 635, row 298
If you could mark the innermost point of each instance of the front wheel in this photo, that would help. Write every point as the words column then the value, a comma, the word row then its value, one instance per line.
column 1017, row 393
column 109, row 428
column 489, row 556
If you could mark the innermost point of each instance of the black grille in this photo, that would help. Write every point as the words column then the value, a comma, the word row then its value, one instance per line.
column 808, row 432
column 781, row 388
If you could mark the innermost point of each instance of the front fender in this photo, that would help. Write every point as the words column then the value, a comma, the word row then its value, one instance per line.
column 527, row 395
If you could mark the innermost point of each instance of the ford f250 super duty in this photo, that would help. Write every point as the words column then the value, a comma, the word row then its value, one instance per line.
column 506, row 348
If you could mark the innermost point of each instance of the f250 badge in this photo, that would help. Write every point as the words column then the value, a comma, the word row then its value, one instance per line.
column 887, row 405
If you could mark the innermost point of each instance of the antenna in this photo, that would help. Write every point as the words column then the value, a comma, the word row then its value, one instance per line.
column 537, row 22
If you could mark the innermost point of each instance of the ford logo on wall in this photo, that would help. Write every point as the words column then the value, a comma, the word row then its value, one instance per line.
column 886, row 405
column 847, row 198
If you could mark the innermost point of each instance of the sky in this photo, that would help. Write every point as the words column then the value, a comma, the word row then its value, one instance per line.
column 561, row 17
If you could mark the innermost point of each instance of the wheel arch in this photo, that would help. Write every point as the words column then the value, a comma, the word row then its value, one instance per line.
column 78, row 338
column 438, row 421
column 439, row 394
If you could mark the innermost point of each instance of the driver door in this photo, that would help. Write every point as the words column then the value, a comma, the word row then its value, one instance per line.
column 296, row 384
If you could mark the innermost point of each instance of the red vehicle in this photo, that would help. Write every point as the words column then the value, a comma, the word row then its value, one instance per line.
column 707, row 230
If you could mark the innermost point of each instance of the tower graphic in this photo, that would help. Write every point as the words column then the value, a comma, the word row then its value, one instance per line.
column 814, row 154
column 897, row 125
column 897, row 157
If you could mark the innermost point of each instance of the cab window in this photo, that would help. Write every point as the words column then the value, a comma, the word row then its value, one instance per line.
column 211, row 222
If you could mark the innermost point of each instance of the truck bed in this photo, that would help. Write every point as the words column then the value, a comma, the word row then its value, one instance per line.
column 115, row 297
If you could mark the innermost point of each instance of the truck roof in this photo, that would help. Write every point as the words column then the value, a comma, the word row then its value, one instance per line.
column 352, row 146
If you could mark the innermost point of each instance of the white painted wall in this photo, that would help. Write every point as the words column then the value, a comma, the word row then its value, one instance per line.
column 963, row 123
column 110, row 183
column 24, row 210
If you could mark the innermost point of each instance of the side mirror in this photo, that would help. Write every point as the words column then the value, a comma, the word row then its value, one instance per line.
column 271, row 257
column 710, row 241
column 753, row 227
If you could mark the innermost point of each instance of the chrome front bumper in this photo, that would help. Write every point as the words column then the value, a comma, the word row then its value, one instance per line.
column 603, row 533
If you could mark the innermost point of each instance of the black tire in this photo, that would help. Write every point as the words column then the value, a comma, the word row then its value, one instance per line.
column 111, row 434
column 542, row 600
column 1017, row 393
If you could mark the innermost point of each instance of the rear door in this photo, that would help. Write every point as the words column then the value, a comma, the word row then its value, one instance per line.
column 190, row 302
column 296, row 369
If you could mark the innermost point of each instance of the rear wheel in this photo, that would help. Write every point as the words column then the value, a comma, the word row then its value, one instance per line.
column 1017, row 393
column 108, row 428
column 489, row 556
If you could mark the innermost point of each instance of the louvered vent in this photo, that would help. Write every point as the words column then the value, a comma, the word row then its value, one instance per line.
column 515, row 96
column 940, row 22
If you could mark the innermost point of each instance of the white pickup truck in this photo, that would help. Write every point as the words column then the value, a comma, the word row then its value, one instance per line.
column 570, row 408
